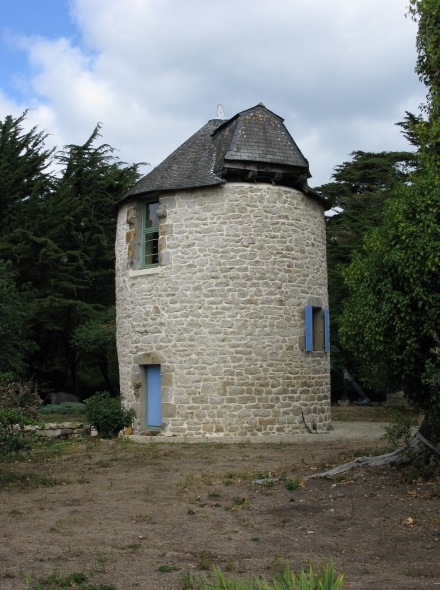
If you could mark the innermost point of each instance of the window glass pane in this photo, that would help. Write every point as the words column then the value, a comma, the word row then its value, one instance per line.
column 151, row 219
column 151, row 248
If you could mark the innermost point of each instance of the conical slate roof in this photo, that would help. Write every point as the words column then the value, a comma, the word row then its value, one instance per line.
column 252, row 146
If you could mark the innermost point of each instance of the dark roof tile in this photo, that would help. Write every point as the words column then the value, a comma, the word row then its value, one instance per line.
column 255, row 139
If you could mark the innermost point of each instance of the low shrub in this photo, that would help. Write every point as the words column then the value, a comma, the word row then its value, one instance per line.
column 12, row 434
column 107, row 415
column 21, row 397
column 322, row 578
column 399, row 431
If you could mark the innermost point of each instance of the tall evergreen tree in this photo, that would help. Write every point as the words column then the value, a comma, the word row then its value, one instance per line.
column 391, row 318
column 24, row 161
column 59, row 233
column 16, row 310
column 74, row 265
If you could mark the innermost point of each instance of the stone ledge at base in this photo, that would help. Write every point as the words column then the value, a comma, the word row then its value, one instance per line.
column 63, row 430
column 341, row 432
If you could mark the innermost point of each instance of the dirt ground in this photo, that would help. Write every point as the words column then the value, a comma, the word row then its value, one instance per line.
column 156, row 515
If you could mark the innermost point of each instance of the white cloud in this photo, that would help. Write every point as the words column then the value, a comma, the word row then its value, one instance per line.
column 153, row 71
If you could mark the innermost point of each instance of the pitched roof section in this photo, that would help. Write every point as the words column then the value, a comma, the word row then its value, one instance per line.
column 252, row 146
column 260, row 136
column 190, row 166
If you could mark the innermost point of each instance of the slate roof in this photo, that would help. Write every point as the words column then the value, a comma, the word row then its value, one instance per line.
column 254, row 145
column 260, row 136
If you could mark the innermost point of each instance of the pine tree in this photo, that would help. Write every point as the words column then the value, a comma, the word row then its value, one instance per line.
column 59, row 233
column 23, row 172
column 75, row 263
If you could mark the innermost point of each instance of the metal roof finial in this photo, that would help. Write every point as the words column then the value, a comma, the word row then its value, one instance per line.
column 220, row 112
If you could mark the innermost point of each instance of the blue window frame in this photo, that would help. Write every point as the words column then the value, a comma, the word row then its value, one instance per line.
column 150, row 234
column 317, row 323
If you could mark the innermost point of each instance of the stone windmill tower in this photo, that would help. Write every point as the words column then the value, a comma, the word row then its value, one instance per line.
column 222, row 320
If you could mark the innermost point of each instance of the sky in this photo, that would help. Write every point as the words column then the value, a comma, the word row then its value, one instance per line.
column 340, row 72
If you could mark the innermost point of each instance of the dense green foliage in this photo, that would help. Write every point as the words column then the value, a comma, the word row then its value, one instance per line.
column 58, row 232
column 23, row 165
column 359, row 190
column 12, row 434
column 426, row 129
column 16, row 310
column 95, row 344
column 321, row 578
column 21, row 397
column 390, row 320
column 400, row 429
column 19, row 405
column 107, row 415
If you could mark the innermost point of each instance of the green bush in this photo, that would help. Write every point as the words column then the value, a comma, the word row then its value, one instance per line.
column 21, row 397
column 12, row 434
column 322, row 578
column 106, row 414
column 400, row 429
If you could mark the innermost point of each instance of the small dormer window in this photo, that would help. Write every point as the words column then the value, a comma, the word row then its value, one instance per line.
column 150, row 235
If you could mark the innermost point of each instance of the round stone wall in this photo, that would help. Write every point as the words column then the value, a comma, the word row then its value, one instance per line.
column 223, row 313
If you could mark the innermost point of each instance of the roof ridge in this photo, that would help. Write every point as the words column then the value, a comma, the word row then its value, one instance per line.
column 252, row 146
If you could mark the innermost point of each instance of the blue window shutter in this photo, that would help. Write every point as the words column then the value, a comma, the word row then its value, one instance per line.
column 309, row 328
column 326, row 331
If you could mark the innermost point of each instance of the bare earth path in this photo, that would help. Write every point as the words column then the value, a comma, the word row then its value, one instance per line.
column 119, row 511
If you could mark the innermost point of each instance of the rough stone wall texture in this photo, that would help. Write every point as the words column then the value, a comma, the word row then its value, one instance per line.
column 223, row 314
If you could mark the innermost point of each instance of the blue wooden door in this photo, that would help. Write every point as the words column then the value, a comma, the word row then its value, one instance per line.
column 154, row 399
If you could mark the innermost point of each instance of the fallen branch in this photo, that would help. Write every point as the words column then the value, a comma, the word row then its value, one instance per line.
column 401, row 456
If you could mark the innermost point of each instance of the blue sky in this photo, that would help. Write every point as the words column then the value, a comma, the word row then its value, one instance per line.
column 152, row 72
column 28, row 18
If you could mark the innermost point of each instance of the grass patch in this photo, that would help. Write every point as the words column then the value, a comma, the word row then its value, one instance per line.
column 292, row 484
column 187, row 581
column 78, row 580
column 23, row 481
column 67, row 412
column 167, row 568
column 241, row 502
column 15, row 512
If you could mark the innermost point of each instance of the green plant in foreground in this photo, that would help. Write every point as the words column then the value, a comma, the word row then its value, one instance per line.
column 322, row 578
column 400, row 429
column 12, row 433
column 187, row 581
column 107, row 415
column 77, row 580
column 167, row 568
column 292, row 484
